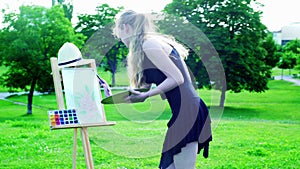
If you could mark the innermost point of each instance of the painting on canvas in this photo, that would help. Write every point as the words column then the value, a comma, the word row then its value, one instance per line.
column 82, row 92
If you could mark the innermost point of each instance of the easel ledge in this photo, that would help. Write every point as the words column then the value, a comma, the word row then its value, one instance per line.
column 109, row 123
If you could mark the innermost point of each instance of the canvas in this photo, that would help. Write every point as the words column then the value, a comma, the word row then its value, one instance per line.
column 82, row 92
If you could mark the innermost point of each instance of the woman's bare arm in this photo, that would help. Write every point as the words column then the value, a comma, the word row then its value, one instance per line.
column 160, row 58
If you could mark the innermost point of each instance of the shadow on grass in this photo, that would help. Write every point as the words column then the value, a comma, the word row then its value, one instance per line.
column 19, row 113
column 215, row 113
column 22, row 117
column 240, row 113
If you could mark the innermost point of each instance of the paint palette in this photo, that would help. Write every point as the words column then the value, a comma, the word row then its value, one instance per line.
column 63, row 117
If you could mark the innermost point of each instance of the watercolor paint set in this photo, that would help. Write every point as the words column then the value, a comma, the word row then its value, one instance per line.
column 63, row 117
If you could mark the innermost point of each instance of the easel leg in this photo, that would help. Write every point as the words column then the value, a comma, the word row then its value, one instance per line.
column 86, row 148
column 74, row 149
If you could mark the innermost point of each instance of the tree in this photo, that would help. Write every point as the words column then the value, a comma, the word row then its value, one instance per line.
column 101, row 45
column 298, row 62
column 67, row 6
column 27, row 43
column 108, row 52
column 114, row 57
column 272, row 57
column 88, row 24
column 293, row 47
column 201, row 56
column 290, row 54
column 235, row 30
column 288, row 60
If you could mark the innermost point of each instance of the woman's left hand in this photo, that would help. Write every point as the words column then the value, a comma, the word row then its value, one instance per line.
column 136, row 96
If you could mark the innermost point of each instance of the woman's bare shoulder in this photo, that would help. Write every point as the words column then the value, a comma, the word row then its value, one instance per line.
column 153, row 43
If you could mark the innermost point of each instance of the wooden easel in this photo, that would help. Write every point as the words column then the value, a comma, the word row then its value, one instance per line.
column 57, row 79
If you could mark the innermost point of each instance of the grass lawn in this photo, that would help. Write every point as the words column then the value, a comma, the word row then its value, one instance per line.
column 257, row 130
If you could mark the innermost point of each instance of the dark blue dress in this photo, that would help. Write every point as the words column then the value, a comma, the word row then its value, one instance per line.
column 190, row 119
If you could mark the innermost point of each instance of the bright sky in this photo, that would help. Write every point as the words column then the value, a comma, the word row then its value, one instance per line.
column 279, row 13
column 276, row 13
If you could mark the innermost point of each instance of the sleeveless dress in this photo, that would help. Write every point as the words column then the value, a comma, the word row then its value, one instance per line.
column 190, row 119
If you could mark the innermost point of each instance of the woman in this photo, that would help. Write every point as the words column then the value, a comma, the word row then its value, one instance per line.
column 154, row 58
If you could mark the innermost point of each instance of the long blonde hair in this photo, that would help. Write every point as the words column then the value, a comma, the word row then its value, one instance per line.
column 143, row 26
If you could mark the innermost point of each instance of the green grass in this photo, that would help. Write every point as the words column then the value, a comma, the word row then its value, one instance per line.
column 257, row 130
column 279, row 103
column 121, row 78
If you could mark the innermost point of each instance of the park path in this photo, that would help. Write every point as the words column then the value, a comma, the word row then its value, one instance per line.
column 289, row 79
column 3, row 96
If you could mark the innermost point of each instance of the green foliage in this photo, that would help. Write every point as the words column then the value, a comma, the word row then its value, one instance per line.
column 27, row 43
column 108, row 52
column 291, row 55
column 288, row 60
column 88, row 24
column 298, row 63
column 293, row 46
column 272, row 57
column 31, row 38
column 235, row 30
column 197, row 43
column 67, row 6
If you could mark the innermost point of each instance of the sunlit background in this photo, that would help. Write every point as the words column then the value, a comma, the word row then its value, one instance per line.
column 276, row 13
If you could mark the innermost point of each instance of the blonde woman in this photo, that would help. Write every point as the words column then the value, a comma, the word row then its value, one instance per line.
column 158, row 59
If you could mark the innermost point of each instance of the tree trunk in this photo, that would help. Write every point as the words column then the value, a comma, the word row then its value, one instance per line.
column 53, row 2
column 223, row 95
column 113, row 79
column 114, row 70
column 30, row 97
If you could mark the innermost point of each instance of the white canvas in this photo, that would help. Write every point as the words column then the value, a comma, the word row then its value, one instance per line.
column 82, row 93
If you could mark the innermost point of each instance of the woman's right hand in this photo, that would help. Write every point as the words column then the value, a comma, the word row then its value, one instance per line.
column 136, row 96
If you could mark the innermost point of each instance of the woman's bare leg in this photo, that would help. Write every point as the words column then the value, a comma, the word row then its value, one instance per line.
column 186, row 159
